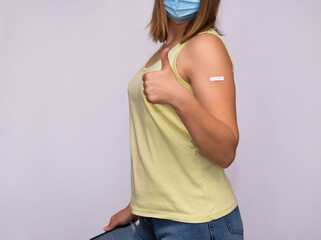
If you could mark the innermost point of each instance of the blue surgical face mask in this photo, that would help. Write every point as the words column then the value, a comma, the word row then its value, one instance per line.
column 181, row 11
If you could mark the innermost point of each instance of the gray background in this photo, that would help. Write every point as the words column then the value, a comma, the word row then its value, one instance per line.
column 64, row 127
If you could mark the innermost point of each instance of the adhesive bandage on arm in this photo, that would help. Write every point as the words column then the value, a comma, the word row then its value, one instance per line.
column 212, row 79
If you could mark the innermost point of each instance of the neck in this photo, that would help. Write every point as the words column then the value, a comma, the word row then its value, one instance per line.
column 175, row 31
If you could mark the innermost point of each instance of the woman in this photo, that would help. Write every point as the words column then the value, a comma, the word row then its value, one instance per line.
column 183, row 130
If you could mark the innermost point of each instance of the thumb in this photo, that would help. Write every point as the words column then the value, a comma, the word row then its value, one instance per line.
column 109, row 227
column 165, row 60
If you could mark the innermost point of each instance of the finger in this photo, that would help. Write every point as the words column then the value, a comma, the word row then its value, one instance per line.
column 164, row 59
column 109, row 227
column 146, row 76
column 143, row 77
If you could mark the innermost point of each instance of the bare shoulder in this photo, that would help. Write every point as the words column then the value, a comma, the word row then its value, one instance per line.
column 203, row 50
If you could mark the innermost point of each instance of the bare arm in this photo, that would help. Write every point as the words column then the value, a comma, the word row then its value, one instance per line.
column 210, row 115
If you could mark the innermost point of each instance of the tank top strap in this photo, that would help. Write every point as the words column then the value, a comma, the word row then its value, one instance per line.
column 179, row 78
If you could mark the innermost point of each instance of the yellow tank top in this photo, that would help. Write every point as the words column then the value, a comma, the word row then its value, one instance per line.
column 169, row 177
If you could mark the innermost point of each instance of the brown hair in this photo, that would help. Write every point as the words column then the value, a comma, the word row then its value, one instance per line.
column 205, row 19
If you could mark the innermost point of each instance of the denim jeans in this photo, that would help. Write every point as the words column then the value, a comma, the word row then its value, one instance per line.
column 228, row 227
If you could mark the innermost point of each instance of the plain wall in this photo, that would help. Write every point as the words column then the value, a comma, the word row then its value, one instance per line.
column 64, row 122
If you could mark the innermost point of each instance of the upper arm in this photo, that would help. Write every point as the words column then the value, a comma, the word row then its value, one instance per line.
column 207, row 57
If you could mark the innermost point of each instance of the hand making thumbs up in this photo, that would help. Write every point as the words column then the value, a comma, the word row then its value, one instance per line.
column 162, row 86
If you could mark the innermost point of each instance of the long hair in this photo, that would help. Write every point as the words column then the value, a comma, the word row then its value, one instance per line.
column 205, row 19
